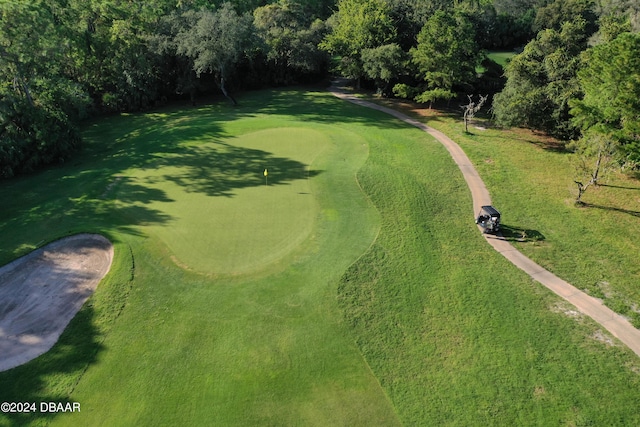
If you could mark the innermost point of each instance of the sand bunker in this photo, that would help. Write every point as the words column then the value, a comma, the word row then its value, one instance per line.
column 42, row 291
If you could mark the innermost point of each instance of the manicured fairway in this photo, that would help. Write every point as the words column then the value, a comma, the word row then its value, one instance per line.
column 354, row 289
column 454, row 332
column 501, row 58
column 231, row 317
column 252, row 225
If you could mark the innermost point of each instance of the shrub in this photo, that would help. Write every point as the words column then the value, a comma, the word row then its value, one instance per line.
column 32, row 136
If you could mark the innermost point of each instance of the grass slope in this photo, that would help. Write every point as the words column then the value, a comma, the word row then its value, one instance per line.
column 450, row 332
column 456, row 334
column 530, row 179
column 501, row 58
column 264, row 347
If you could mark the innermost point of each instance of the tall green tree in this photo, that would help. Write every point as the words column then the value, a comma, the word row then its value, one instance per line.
column 446, row 54
column 409, row 16
column 358, row 25
column 38, row 101
column 629, row 10
column 107, row 52
column 383, row 64
column 30, row 45
column 291, row 43
column 212, row 41
column 541, row 81
column 610, row 82
column 558, row 12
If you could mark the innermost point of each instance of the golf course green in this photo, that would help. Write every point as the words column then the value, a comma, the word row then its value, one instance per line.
column 349, row 286
column 256, row 224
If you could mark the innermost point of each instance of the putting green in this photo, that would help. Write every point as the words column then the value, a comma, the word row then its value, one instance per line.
column 257, row 221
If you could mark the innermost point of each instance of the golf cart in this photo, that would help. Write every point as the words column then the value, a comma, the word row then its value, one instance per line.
column 489, row 219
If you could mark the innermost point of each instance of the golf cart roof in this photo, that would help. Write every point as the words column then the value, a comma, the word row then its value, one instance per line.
column 490, row 210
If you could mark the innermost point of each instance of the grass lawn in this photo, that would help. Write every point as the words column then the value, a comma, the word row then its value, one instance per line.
column 530, row 179
column 454, row 332
column 320, row 299
column 230, row 284
column 501, row 58
column 257, row 223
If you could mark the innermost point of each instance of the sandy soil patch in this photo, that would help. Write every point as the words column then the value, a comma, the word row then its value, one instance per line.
column 42, row 291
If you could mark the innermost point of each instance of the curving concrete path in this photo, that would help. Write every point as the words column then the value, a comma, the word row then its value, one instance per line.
column 616, row 324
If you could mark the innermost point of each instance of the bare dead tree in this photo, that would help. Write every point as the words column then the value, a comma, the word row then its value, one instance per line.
column 595, row 157
column 471, row 109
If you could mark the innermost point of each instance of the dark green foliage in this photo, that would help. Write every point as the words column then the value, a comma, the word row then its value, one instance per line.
column 433, row 95
column 410, row 16
column 358, row 25
column 502, row 31
column 290, row 41
column 555, row 14
column 384, row 64
column 79, row 58
column 32, row 136
column 541, row 80
column 446, row 54
column 37, row 98
column 492, row 79
column 403, row 90
column 610, row 81
column 516, row 7
column 210, row 42
column 624, row 10
column 611, row 26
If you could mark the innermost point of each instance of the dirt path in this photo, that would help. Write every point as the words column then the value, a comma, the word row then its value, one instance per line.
column 616, row 324
column 42, row 291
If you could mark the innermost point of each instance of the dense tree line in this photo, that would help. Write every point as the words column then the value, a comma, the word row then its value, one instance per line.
column 64, row 60
column 579, row 80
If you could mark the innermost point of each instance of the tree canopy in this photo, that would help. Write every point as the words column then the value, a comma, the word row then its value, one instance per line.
column 446, row 54
column 291, row 40
column 610, row 81
column 64, row 60
column 214, row 41
column 541, row 81
column 358, row 25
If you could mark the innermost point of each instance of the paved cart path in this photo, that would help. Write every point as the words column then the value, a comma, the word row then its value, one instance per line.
column 616, row 324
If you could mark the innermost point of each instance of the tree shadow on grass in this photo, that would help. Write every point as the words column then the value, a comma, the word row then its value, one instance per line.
column 612, row 209
column 52, row 376
column 542, row 141
column 518, row 234
column 228, row 168
column 318, row 108
column 76, row 349
column 621, row 187
column 92, row 193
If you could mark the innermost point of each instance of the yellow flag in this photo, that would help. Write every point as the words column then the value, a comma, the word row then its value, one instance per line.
column 266, row 173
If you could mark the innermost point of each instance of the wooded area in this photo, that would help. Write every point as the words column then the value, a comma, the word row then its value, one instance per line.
column 61, row 61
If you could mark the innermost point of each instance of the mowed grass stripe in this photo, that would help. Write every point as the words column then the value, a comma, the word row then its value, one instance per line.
column 252, row 225
column 452, row 332
column 456, row 334
column 263, row 347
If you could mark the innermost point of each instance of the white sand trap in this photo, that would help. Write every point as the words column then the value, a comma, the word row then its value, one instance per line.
column 42, row 291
